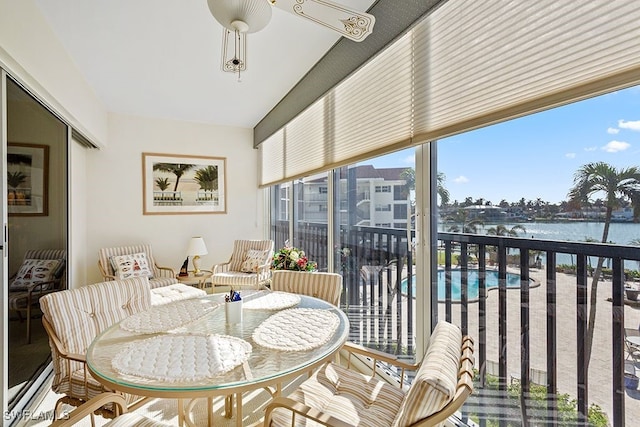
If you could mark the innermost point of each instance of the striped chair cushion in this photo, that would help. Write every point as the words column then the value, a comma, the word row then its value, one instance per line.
column 175, row 292
column 327, row 286
column 241, row 247
column 159, row 277
column 435, row 382
column 79, row 315
column 355, row 398
column 235, row 279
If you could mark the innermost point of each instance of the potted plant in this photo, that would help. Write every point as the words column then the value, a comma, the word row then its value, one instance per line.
column 291, row 258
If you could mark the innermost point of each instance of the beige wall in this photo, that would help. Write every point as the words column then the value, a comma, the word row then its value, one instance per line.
column 114, row 191
column 30, row 52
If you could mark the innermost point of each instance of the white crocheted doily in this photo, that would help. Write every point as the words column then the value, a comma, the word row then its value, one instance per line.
column 296, row 329
column 161, row 318
column 273, row 301
column 182, row 357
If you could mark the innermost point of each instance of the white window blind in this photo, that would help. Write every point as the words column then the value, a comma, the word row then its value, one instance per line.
column 467, row 65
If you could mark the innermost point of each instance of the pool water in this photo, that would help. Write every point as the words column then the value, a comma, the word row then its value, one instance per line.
column 513, row 281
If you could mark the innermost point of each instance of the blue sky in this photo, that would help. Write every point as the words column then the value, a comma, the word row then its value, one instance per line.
column 536, row 156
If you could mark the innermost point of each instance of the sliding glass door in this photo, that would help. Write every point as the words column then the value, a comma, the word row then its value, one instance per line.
column 34, row 150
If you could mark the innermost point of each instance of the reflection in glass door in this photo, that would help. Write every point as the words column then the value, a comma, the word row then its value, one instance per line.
column 36, row 204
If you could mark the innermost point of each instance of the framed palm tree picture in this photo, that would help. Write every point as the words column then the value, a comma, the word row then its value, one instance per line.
column 183, row 184
column 27, row 179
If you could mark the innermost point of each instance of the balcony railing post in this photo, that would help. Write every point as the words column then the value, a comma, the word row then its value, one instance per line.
column 581, row 329
column 617, row 333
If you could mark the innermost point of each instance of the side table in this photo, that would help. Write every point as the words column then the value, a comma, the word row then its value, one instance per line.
column 192, row 279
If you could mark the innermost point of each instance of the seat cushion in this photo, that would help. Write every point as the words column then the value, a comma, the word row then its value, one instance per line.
column 175, row 292
column 353, row 397
column 435, row 382
column 158, row 282
column 233, row 278
column 326, row 286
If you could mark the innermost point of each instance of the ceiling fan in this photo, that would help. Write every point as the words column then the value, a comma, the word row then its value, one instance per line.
column 240, row 17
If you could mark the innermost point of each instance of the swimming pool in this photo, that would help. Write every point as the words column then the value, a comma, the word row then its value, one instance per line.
column 513, row 282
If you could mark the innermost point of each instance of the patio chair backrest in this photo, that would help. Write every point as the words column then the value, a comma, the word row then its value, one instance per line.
column 105, row 254
column 77, row 316
column 240, row 248
column 326, row 286
column 59, row 254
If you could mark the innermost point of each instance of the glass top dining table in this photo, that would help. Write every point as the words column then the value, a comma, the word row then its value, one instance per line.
column 264, row 366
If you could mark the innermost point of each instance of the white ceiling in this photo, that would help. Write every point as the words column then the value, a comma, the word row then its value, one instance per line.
column 161, row 58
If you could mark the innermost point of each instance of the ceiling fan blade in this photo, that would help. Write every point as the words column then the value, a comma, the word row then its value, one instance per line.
column 350, row 23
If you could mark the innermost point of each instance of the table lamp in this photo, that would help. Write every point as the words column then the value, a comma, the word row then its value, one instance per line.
column 195, row 249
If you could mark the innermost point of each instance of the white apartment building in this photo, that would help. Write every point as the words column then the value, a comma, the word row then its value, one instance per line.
column 380, row 197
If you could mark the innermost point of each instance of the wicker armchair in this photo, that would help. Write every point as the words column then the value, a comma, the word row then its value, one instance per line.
column 160, row 276
column 73, row 318
column 41, row 272
column 249, row 266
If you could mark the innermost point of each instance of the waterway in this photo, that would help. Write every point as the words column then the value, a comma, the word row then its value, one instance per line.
column 621, row 233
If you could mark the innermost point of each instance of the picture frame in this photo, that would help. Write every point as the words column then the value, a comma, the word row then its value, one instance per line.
column 183, row 184
column 27, row 179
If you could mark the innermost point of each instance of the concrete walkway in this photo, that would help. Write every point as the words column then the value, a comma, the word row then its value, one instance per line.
column 600, row 369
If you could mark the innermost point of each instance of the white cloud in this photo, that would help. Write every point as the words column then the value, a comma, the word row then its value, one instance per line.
column 410, row 160
column 591, row 149
column 629, row 125
column 613, row 131
column 461, row 179
column 570, row 155
column 615, row 146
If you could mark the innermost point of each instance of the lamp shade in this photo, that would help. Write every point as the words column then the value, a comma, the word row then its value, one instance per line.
column 197, row 247
column 256, row 14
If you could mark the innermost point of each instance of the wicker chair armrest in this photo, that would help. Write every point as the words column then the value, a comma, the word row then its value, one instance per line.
column 57, row 344
column 166, row 271
column 220, row 268
column 302, row 410
column 378, row 356
column 37, row 288
column 91, row 406
column 104, row 270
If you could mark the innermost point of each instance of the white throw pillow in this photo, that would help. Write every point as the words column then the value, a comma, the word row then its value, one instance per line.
column 253, row 260
column 133, row 265
column 35, row 271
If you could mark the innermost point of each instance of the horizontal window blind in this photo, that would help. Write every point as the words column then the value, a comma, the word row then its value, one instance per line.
column 468, row 64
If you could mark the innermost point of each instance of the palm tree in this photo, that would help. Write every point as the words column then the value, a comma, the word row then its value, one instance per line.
column 178, row 169
column 465, row 226
column 442, row 191
column 502, row 230
column 594, row 178
column 162, row 183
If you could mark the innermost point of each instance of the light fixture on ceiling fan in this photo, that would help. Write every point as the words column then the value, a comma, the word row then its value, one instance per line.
column 240, row 17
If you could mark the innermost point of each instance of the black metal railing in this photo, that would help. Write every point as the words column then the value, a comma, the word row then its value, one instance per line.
column 377, row 268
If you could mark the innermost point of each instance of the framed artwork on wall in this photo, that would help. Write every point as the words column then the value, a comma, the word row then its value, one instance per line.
column 183, row 184
column 27, row 179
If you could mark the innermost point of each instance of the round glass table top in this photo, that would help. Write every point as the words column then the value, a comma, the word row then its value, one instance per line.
column 264, row 365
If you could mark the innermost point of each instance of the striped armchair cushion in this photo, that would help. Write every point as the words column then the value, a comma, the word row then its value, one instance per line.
column 327, row 286
column 241, row 247
column 435, row 383
column 78, row 315
column 351, row 396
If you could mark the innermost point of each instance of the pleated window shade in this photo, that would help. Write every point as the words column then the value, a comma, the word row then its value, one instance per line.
column 467, row 65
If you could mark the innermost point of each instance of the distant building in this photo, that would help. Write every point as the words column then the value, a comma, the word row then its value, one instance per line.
column 380, row 198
